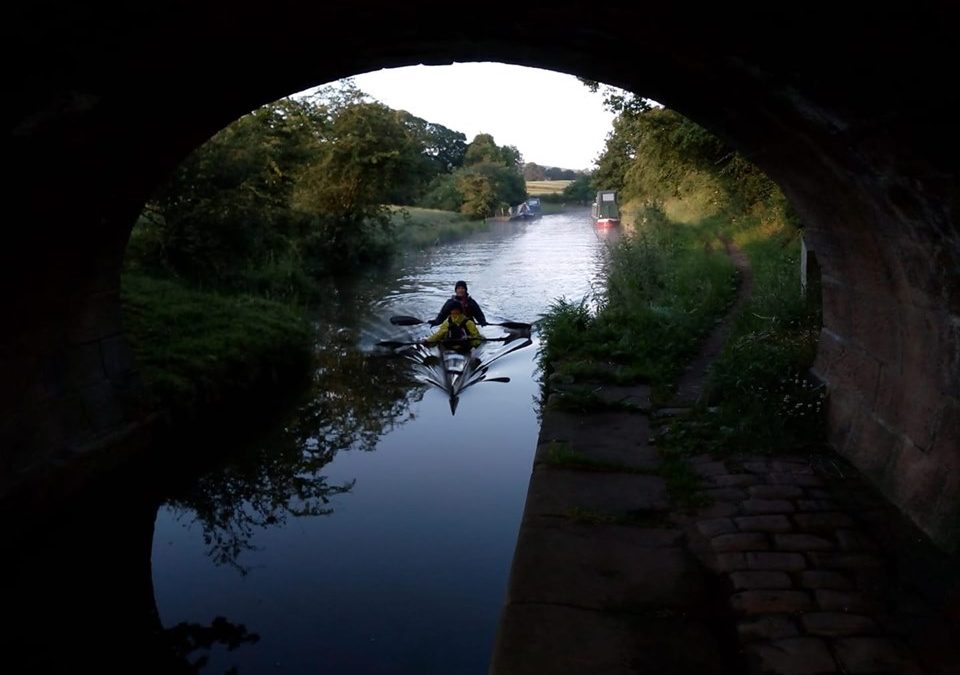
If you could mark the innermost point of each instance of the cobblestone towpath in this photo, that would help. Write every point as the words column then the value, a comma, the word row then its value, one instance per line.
column 795, row 567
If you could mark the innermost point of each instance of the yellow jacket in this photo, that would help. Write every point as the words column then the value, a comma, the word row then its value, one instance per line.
column 443, row 332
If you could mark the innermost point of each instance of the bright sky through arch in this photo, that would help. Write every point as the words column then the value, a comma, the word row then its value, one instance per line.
column 551, row 118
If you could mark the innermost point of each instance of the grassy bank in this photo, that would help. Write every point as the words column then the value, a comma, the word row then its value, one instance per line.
column 666, row 285
column 420, row 228
column 764, row 399
column 198, row 350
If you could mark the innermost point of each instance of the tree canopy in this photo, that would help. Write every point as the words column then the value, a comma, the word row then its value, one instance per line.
column 303, row 185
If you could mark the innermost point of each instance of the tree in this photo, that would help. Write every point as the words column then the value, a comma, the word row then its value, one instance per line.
column 487, row 186
column 580, row 190
column 444, row 147
column 227, row 203
column 482, row 149
column 533, row 171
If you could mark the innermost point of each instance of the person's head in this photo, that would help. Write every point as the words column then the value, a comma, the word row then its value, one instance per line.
column 455, row 310
column 460, row 288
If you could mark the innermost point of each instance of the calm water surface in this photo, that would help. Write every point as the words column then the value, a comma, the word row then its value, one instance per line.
column 372, row 531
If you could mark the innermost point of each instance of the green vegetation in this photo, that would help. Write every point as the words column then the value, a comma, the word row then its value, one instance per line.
column 419, row 228
column 200, row 349
column 765, row 400
column 684, row 485
column 299, row 190
column 256, row 223
column 665, row 288
column 684, row 197
column 561, row 455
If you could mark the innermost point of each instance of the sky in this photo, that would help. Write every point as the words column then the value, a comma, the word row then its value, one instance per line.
column 551, row 118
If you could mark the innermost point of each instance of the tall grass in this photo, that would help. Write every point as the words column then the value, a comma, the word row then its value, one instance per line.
column 666, row 285
column 766, row 398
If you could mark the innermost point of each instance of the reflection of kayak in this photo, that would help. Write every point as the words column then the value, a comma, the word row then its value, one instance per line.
column 459, row 365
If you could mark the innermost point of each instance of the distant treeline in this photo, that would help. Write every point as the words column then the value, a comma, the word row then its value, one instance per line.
column 302, row 188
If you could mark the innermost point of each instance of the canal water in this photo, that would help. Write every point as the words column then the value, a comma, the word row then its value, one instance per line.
column 371, row 530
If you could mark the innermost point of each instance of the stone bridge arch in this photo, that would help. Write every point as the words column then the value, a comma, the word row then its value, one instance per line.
column 851, row 112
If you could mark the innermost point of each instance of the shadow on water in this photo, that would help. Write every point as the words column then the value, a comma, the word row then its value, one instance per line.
column 83, row 582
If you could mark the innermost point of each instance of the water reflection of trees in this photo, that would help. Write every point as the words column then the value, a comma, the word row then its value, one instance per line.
column 185, row 639
column 354, row 400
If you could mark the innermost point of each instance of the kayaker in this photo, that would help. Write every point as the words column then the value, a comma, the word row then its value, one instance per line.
column 467, row 305
column 456, row 327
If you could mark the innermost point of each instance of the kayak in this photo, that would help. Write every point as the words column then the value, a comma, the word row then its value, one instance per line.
column 450, row 369
column 453, row 368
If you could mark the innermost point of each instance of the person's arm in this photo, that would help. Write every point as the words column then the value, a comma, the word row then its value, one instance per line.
column 442, row 315
column 439, row 335
column 478, row 313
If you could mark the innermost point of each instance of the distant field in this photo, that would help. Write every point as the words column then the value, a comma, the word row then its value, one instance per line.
column 546, row 187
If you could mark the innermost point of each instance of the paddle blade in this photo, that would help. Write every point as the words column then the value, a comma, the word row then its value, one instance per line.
column 405, row 321
column 393, row 345
column 514, row 325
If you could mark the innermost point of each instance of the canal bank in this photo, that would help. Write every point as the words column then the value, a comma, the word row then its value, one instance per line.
column 795, row 565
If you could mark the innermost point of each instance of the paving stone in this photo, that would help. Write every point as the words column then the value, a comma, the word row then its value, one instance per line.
column 718, row 510
column 714, row 526
column 757, row 580
column 537, row 639
column 781, row 479
column 871, row 579
column 845, row 601
column 799, row 467
column 709, row 468
column 820, row 522
column 762, row 506
column 758, row 466
column 837, row 624
column 560, row 492
column 767, row 627
column 771, row 602
column 732, row 480
column 768, row 523
column 845, row 561
column 801, row 542
column 603, row 567
column 741, row 541
column 853, row 540
column 791, row 656
column 825, row 579
column 725, row 494
column 728, row 562
column 608, row 437
column 875, row 656
column 818, row 493
column 809, row 481
column 635, row 396
column 816, row 505
column 775, row 491
column 789, row 562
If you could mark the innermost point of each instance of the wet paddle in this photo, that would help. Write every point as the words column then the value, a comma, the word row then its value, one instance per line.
column 393, row 345
column 414, row 321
